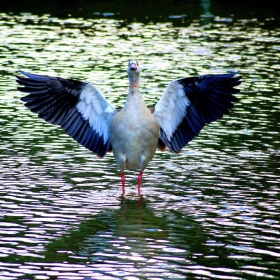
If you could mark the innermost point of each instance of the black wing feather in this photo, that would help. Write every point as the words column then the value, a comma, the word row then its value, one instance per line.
column 211, row 97
column 54, row 99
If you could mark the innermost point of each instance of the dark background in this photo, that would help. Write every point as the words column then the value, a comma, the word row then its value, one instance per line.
column 143, row 11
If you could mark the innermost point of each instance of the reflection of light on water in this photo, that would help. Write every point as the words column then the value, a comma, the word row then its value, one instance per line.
column 216, row 204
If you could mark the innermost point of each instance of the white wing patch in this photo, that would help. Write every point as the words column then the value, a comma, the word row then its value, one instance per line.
column 171, row 108
column 96, row 109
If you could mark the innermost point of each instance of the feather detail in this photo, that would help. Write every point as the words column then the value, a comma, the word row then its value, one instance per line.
column 188, row 104
column 78, row 107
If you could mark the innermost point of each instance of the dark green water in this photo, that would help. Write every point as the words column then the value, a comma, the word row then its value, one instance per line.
column 211, row 212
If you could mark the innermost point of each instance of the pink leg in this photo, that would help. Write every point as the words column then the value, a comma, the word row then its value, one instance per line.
column 139, row 181
column 123, row 182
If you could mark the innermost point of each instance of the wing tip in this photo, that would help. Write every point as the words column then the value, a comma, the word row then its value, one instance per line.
column 32, row 77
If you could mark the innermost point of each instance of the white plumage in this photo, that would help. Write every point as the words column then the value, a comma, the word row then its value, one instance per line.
column 171, row 108
column 95, row 108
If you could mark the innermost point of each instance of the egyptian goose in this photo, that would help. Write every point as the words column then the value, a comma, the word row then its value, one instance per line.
column 134, row 132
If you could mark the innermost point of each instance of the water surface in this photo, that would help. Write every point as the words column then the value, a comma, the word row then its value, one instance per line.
column 211, row 212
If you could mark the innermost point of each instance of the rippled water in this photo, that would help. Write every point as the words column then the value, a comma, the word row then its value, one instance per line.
column 210, row 213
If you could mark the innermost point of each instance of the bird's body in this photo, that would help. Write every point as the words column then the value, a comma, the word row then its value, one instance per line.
column 134, row 139
column 134, row 132
column 134, row 135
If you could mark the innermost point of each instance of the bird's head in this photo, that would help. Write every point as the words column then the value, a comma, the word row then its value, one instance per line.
column 133, row 67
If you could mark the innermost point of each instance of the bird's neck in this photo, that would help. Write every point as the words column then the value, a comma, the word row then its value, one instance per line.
column 134, row 86
column 134, row 100
column 134, row 91
column 134, row 82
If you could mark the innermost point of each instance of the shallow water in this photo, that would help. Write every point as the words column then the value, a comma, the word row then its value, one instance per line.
column 211, row 212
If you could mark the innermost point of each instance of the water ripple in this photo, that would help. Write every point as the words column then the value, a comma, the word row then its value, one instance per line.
column 211, row 212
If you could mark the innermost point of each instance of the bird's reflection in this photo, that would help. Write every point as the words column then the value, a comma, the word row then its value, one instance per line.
column 132, row 236
column 129, row 229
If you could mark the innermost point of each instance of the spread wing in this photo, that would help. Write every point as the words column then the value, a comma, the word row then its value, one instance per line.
column 188, row 104
column 78, row 107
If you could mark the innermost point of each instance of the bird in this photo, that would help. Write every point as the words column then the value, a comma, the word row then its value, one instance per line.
column 134, row 132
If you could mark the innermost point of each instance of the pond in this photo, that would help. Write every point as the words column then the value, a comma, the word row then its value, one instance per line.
column 211, row 212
